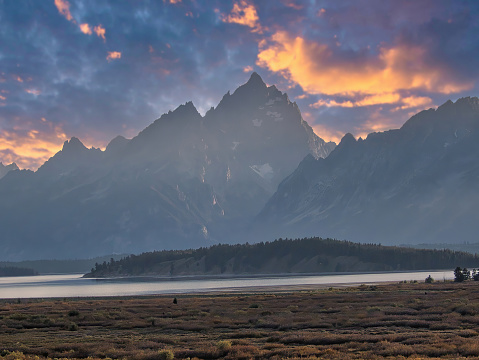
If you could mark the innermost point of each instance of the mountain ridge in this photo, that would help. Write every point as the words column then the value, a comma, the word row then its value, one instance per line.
column 413, row 184
column 186, row 180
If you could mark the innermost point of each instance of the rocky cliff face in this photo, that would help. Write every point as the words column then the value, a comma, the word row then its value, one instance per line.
column 417, row 184
column 185, row 181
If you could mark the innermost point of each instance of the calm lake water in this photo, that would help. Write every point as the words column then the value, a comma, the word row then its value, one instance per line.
column 46, row 286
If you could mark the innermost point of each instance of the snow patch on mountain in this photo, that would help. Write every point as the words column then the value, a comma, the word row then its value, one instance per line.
column 257, row 122
column 275, row 115
column 265, row 170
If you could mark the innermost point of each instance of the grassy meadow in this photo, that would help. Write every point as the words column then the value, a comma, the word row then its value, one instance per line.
column 394, row 321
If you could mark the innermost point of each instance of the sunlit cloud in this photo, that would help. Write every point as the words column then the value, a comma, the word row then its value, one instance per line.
column 414, row 102
column 19, row 79
column 247, row 69
column 327, row 133
column 245, row 14
column 319, row 70
column 100, row 31
column 63, row 7
column 33, row 91
column 377, row 122
column 30, row 147
column 294, row 5
column 175, row 1
column 112, row 55
column 302, row 96
column 86, row 29
column 391, row 98
column 3, row 98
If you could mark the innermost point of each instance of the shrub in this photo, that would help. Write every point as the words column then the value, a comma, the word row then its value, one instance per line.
column 73, row 313
column 223, row 345
column 166, row 355
column 429, row 280
column 73, row 327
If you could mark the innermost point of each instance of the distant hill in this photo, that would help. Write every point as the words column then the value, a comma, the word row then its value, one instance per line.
column 311, row 255
column 16, row 271
column 416, row 184
column 70, row 266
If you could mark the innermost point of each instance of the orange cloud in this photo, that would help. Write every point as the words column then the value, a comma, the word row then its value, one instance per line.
column 244, row 14
column 112, row 55
column 175, row 1
column 19, row 79
column 85, row 28
column 390, row 98
column 328, row 134
column 413, row 102
column 100, row 31
column 293, row 5
column 28, row 147
column 3, row 98
column 63, row 7
column 33, row 91
column 316, row 68
column 248, row 69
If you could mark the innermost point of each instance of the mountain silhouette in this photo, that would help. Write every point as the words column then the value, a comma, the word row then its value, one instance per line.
column 184, row 181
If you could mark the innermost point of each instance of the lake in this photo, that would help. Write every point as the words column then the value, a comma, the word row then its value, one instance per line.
column 61, row 286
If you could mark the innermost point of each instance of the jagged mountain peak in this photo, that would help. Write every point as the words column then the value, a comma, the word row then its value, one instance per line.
column 254, row 86
column 255, row 80
column 4, row 169
column 186, row 109
column 347, row 139
column 73, row 145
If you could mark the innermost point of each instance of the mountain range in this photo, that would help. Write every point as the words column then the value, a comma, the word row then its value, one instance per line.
column 250, row 169
column 416, row 184
column 185, row 181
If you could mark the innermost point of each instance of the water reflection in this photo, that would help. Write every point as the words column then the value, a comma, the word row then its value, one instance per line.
column 45, row 286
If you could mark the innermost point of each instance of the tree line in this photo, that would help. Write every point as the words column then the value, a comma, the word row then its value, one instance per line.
column 16, row 271
column 253, row 256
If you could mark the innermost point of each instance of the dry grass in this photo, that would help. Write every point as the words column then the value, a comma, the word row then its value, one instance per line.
column 403, row 321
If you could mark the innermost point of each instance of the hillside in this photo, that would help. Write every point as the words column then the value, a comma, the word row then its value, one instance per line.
column 311, row 255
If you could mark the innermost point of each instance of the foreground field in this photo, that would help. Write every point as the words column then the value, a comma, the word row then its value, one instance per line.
column 417, row 321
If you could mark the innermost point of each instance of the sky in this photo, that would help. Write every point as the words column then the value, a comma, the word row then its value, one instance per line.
column 95, row 69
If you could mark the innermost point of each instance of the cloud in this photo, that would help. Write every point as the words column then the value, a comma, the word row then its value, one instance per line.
column 100, row 32
column 85, row 28
column 112, row 55
column 328, row 133
column 63, row 7
column 29, row 145
column 245, row 14
column 320, row 69
column 35, row 92
column 388, row 98
column 247, row 69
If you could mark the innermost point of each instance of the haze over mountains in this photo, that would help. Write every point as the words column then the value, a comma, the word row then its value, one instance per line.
column 232, row 175
column 184, row 181
column 417, row 184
